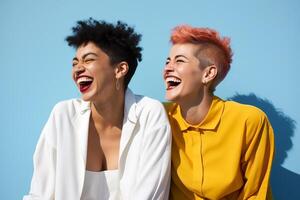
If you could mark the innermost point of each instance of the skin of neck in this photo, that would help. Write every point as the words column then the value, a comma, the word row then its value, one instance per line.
column 195, row 110
column 110, row 113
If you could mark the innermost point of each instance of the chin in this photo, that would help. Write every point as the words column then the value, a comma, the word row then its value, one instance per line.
column 90, row 95
column 171, row 97
column 87, row 97
column 174, row 94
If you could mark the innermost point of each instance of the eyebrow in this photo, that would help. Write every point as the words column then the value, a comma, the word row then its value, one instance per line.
column 181, row 56
column 178, row 56
column 85, row 55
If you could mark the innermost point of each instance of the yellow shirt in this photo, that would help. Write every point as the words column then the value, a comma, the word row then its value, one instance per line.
column 227, row 156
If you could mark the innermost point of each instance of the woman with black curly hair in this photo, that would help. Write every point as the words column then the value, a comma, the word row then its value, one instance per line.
column 110, row 144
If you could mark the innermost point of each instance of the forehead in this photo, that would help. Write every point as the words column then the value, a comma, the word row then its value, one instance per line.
column 90, row 47
column 186, row 49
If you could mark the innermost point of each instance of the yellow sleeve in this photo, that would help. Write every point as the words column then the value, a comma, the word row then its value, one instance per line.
column 257, row 159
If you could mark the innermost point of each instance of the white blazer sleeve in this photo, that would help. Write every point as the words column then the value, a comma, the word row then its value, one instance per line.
column 44, row 162
column 153, row 175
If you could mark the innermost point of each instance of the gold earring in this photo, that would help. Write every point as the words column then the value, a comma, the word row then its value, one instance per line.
column 117, row 84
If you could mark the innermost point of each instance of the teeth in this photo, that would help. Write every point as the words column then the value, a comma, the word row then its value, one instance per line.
column 173, row 79
column 84, row 79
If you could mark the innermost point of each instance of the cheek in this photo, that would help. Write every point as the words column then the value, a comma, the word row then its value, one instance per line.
column 192, row 83
column 190, row 74
column 102, row 76
column 192, row 79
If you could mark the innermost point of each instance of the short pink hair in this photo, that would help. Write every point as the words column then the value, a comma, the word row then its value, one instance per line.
column 188, row 34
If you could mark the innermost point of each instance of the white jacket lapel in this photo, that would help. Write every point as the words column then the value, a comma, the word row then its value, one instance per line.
column 129, row 122
column 82, row 127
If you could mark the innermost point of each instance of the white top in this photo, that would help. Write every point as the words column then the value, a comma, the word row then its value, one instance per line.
column 102, row 185
column 144, row 154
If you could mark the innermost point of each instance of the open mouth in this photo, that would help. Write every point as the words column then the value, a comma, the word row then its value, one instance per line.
column 84, row 83
column 172, row 82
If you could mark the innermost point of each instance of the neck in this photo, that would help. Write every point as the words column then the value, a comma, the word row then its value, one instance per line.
column 194, row 111
column 110, row 113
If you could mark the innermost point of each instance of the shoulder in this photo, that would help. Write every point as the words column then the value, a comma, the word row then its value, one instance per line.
column 140, row 102
column 245, row 112
column 252, row 119
column 148, row 104
column 150, row 108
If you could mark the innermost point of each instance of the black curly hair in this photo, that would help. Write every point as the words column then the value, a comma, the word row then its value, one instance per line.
column 118, row 41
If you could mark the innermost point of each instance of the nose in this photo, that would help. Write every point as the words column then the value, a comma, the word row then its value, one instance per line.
column 78, row 69
column 169, row 67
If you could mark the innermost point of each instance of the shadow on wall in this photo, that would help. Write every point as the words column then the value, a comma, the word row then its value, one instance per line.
column 285, row 183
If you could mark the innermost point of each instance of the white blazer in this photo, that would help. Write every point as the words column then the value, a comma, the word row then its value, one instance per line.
column 144, row 158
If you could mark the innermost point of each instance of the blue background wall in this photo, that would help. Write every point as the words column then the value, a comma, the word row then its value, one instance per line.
column 35, row 65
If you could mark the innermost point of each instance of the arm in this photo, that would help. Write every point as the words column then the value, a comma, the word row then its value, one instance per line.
column 257, row 161
column 153, row 179
column 44, row 162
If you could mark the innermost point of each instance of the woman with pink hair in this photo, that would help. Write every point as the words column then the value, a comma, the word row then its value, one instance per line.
column 221, row 149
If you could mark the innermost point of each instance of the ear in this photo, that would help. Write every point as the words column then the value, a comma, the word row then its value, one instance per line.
column 210, row 73
column 121, row 69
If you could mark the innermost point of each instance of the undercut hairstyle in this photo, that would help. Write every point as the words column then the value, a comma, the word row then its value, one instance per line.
column 213, row 49
column 119, row 41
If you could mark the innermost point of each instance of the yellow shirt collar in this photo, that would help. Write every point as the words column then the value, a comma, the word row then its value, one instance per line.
column 211, row 120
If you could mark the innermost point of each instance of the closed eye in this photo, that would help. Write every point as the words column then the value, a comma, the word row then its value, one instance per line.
column 74, row 64
column 180, row 61
column 88, row 60
column 167, row 61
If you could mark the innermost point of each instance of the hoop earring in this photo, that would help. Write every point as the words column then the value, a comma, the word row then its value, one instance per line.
column 117, row 84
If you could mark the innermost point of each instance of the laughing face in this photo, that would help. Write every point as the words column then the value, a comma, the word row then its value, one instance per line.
column 183, row 74
column 92, row 73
